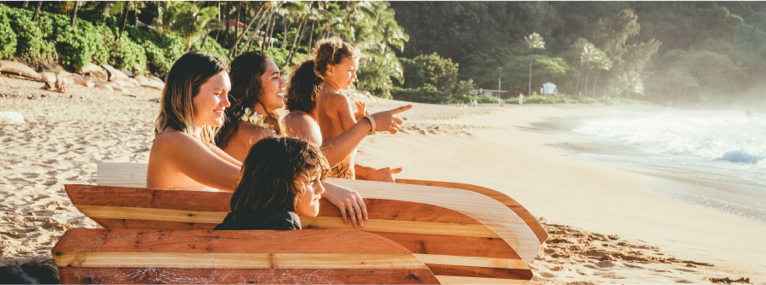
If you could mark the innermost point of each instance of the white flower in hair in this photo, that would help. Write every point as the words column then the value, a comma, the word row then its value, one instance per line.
column 255, row 119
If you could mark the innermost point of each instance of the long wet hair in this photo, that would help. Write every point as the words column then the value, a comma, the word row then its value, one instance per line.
column 246, row 72
column 303, row 88
column 267, row 179
column 181, row 85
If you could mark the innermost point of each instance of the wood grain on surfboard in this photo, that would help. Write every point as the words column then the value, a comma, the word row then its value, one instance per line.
column 491, row 212
column 449, row 241
column 517, row 208
column 134, row 175
column 121, row 256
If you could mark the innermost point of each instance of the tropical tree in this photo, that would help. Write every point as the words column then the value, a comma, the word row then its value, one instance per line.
column 630, row 83
column 532, row 42
column 195, row 23
column 74, row 14
column 387, row 30
column 168, row 12
column 37, row 10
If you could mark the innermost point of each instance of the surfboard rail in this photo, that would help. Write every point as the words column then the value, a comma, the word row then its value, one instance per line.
column 122, row 256
column 509, row 202
column 457, row 248
column 517, row 226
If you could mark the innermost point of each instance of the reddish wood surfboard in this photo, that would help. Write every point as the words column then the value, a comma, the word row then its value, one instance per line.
column 517, row 232
column 122, row 256
column 456, row 247
column 517, row 208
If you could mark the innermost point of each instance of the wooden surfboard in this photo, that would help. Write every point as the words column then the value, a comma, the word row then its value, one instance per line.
column 487, row 210
column 457, row 248
column 122, row 256
column 509, row 202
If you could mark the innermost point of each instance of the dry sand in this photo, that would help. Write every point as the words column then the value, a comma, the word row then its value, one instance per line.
column 605, row 225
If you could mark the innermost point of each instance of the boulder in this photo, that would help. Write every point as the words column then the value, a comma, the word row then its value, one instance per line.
column 89, row 68
column 103, row 85
column 18, row 68
column 48, row 76
column 149, row 82
column 114, row 73
column 134, row 82
column 83, row 80
column 11, row 118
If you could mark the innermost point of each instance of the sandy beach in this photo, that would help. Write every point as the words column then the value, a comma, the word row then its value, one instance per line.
column 606, row 224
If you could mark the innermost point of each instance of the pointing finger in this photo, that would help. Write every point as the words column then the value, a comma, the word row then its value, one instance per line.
column 402, row 109
column 396, row 170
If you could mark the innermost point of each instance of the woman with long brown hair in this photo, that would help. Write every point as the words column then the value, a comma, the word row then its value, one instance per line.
column 256, row 93
column 184, row 154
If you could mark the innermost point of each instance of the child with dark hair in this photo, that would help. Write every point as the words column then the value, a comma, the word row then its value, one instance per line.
column 281, row 179
column 37, row 270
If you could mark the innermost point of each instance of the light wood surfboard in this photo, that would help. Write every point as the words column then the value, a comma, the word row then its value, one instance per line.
column 122, row 256
column 456, row 248
column 509, row 202
column 497, row 216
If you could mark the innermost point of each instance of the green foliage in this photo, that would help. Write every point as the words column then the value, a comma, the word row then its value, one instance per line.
column 161, row 51
column 87, row 43
column 750, row 41
column 465, row 88
column 32, row 46
column 7, row 37
column 211, row 47
column 486, row 99
column 430, row 69
column 426, row 94
column 125, row 53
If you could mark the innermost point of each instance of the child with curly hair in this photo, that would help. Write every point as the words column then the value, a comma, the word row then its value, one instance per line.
column 281, row 179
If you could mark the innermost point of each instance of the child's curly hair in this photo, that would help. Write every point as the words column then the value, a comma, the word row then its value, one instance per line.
column 268, row 175
column 330, row 52
column 301, row 93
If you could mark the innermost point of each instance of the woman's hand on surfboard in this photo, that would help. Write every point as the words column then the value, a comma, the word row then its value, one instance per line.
column 387, row 121
column 348, row 201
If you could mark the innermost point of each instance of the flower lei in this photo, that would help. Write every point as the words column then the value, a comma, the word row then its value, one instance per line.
column 255, row 119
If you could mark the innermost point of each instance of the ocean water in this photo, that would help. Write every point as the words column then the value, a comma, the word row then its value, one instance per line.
column 722, row 152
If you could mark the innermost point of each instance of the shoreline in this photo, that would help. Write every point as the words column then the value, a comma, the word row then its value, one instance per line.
column 500, row 152
column 65, row 136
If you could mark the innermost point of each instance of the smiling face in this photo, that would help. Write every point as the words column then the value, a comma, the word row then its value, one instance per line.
column 343, row 74
column 212, row 100
column 311, row 186
column 272, row 88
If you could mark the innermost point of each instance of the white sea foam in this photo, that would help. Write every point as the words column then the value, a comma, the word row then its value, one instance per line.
column 724, row 139
column 726, row 150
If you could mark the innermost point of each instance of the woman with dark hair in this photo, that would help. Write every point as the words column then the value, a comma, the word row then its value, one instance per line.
column 184, row 154
column 256, row 93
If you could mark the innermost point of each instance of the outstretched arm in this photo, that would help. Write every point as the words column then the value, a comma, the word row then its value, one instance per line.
column 339, row 148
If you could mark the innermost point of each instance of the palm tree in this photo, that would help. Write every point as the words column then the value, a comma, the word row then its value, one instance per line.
column 390, row 33
column 271, row 6
column 195, row 23
column 602, row 62
column 37, row 10
column 533, row 41
column 580, row 45
column 630, row 83
column 74, row 14
column 168, row 12
column 303, row 14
